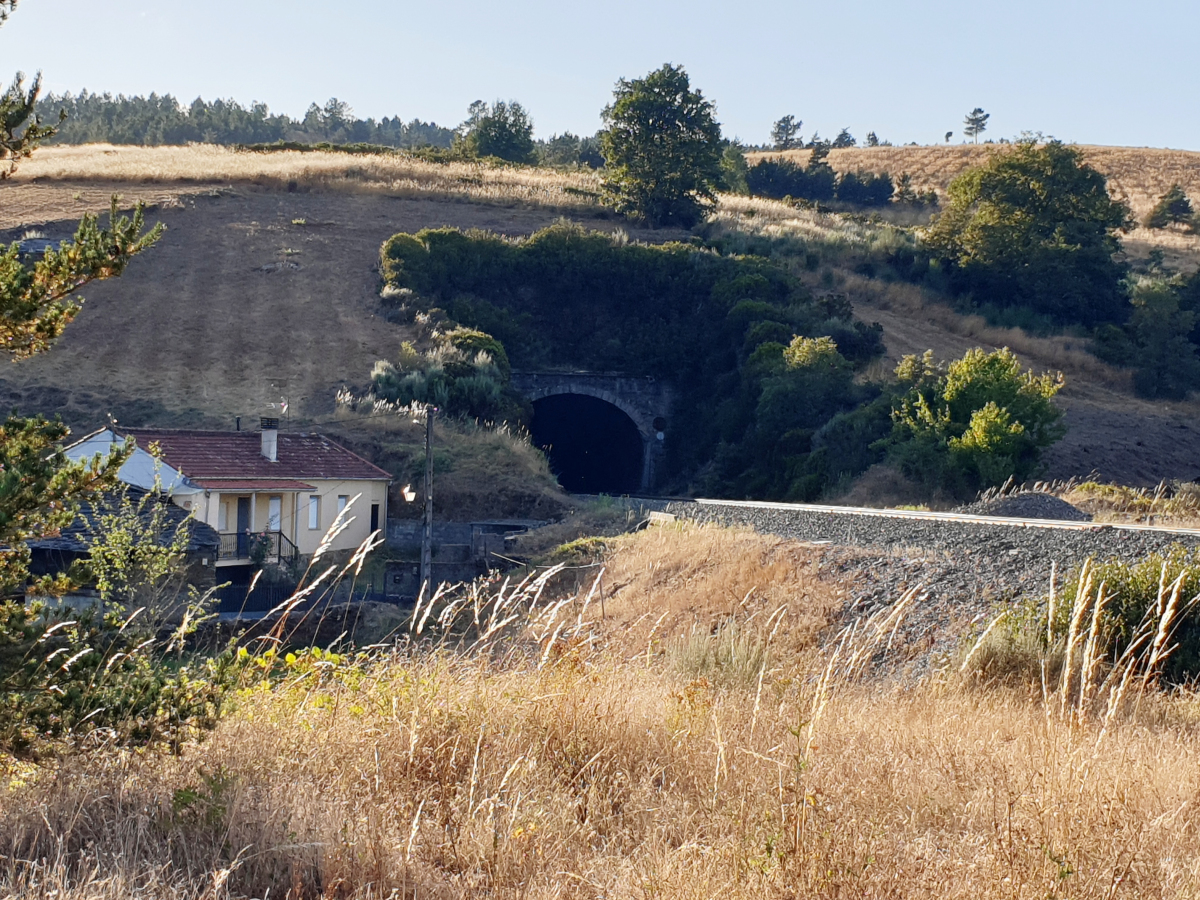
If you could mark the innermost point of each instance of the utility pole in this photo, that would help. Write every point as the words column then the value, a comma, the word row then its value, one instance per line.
column 427, row 533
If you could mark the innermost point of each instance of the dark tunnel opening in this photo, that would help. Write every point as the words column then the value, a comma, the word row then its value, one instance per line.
column 594, row 448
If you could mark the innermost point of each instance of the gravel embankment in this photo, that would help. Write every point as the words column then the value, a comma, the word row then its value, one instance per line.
column 965, row 569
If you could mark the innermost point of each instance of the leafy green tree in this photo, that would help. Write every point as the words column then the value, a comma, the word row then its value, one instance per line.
column 560, row 150
column 1035, row 227
column 1174, row 207
column 785, row 133
column 975, row 123
column 503, row 130
column 973, row 423
column 662, row 149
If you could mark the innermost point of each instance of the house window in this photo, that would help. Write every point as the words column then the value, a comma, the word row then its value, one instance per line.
column 222, row 516
column 274, row 513
column 343, row 499
column 314, row 512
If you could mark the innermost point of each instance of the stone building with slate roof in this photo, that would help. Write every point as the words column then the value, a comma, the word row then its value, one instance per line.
column 52, row 555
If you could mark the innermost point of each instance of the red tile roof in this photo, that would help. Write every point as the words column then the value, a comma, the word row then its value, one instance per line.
column 246, row 485
column 204, row 455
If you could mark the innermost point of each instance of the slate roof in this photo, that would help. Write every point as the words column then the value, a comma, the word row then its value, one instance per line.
column 75, row 538
column 237, row 455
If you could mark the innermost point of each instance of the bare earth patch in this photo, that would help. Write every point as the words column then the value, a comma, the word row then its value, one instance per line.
column 253, row 295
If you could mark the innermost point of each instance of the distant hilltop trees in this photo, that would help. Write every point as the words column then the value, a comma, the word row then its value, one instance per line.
column 161, row 119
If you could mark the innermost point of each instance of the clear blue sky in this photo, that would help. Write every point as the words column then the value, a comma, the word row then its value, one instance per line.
column 1091, row 71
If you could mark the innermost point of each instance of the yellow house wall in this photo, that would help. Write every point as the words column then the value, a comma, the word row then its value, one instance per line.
column 360, row 512
column 294, row 516
column 209, row 511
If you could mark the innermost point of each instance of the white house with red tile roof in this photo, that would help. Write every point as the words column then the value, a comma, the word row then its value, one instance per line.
column 283, row 488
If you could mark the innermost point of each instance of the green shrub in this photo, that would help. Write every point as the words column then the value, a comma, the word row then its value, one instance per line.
column 465, row 373
column 1035, row 227
column 865, row 188
column 781, row 178
column 1134, row 590
column 974, row 423
column 68, row 673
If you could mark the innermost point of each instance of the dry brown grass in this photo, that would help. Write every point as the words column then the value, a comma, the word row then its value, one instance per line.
column 595, row 775
column 1175, row 505
column 393, row 174
column 670, row 582
column 912, row 321
column 482, row 472
column 1137, row 175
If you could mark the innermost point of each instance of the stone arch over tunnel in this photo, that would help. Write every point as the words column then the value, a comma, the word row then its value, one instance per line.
column 593, row 445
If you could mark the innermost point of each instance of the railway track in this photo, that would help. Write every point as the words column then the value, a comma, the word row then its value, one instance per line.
column 1037, row 541
column 925, row 515
column 966, row 566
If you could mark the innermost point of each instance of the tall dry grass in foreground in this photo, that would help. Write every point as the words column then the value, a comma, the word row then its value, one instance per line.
column 570, row 769
column 395, row 174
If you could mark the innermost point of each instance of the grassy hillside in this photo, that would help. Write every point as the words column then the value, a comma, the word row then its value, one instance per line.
column 396, row 175
column 258, row 292
column 1137, row 175
column 265, row 283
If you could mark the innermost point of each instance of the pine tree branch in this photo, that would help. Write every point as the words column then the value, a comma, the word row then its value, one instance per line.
column 37, row 303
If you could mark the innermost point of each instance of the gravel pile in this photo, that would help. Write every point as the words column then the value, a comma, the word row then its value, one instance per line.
column 965, row 569
column 1028, row 505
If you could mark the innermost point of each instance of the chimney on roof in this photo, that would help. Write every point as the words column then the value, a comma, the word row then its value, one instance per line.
column 270, row 438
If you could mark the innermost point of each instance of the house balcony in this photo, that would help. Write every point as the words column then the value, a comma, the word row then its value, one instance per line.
column 258, row 547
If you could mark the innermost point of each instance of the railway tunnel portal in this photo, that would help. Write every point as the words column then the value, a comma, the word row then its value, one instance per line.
column 603, row 433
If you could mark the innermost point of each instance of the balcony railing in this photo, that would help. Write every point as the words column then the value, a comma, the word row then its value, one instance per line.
column 257, row 546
